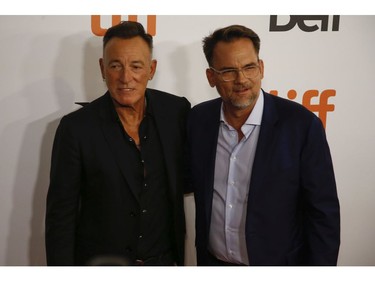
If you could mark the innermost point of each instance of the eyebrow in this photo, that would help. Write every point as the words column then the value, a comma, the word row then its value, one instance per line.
column 131, row 62
column 138, row 62
column 234, row 68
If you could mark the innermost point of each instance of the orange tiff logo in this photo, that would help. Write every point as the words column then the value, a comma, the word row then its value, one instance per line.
column 97, row 29
column 322, row 107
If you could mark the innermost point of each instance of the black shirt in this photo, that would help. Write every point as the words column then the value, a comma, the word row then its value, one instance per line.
column 154, row 214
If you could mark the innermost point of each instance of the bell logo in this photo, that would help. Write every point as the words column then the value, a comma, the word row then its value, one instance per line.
column 322, row 107
column 300, row 21
column 97, row 29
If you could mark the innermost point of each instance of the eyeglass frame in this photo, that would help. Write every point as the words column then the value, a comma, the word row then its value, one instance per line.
column 237, row 70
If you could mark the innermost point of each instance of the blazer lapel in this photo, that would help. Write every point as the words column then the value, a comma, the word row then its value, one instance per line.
column 115, row 139
column 264, row 146
column 166, row 127
column 208, row 151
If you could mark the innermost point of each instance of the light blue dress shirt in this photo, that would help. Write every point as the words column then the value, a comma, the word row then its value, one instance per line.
column 233, row 166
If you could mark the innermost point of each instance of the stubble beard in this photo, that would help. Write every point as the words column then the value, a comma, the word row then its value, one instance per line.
column 243, row 104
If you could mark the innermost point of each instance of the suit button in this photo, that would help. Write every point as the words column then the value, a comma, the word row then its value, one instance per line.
column 132, row 214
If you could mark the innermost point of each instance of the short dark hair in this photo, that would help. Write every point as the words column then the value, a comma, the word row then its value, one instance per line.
column 228, row 34
column 127, row 30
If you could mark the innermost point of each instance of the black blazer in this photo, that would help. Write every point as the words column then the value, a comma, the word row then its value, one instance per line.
column 293, row 209
column 91, row 201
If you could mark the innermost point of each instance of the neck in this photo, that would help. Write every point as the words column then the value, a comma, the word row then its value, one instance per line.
column 235, row 116
column 131, row 118
column 131, row 114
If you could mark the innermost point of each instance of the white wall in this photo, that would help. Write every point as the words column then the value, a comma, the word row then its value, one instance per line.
column 50, row 62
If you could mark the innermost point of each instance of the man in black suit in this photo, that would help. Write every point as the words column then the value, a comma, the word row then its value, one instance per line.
column 262, row 173
column 117, row 170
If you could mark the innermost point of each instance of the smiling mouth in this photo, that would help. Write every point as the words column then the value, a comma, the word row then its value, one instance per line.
column 241, row 91
column 126, row 89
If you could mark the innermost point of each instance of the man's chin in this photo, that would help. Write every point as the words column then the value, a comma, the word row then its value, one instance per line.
column 241, row 105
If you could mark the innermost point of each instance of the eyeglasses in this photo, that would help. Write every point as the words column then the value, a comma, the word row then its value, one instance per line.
column 228, row 75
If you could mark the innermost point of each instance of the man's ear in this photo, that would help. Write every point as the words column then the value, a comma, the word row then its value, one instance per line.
column 101, row 64
column 153, row 65
column 210, row 77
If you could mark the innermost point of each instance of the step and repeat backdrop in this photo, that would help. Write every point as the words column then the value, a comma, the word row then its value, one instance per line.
column 49, row 63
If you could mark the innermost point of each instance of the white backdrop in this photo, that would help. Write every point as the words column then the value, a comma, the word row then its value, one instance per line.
column 50, row 62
